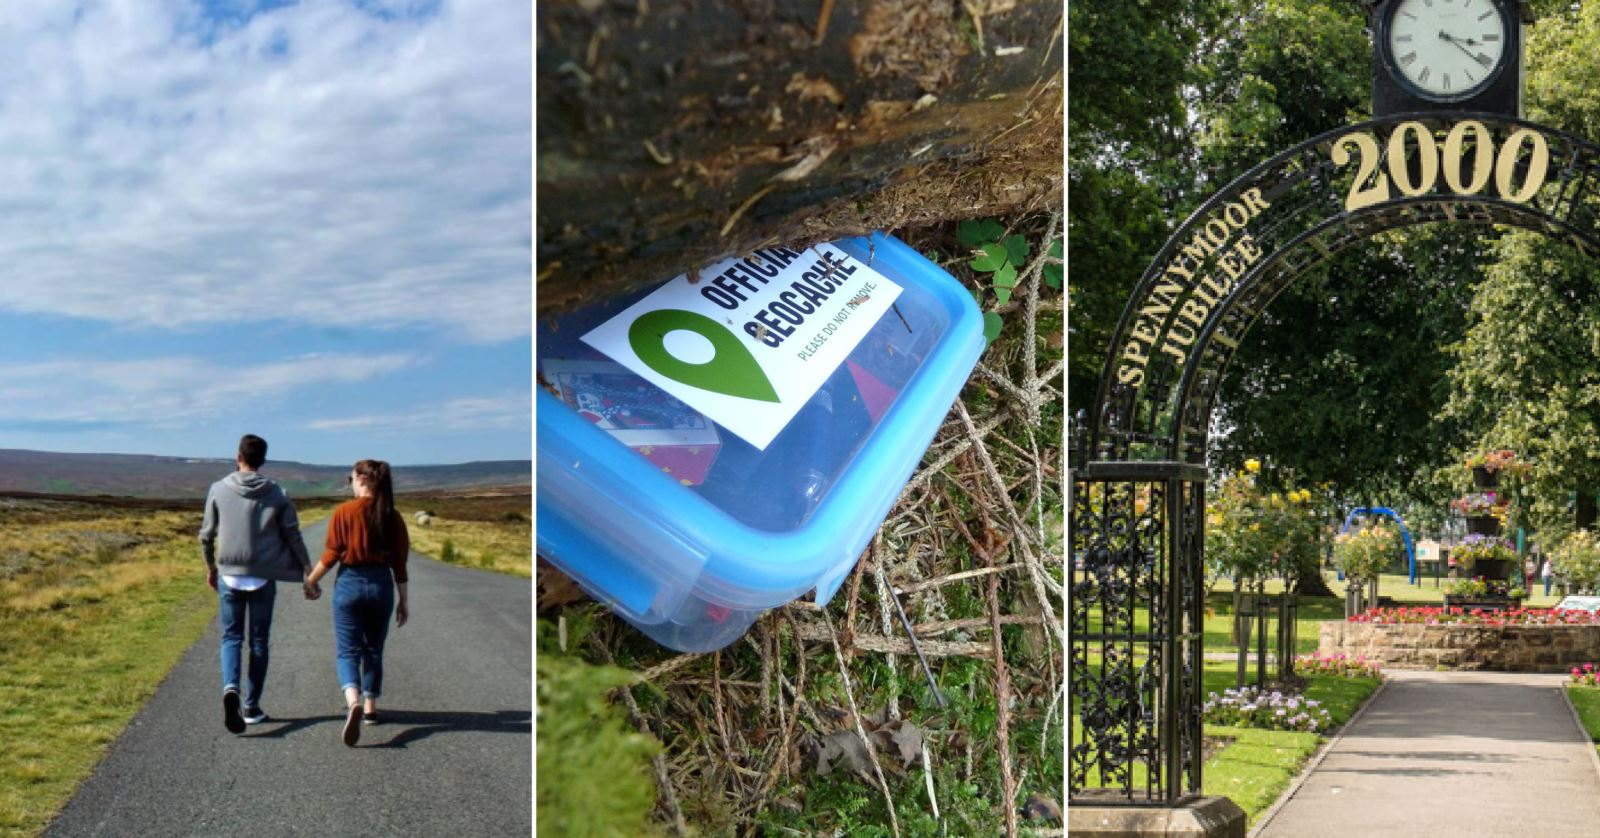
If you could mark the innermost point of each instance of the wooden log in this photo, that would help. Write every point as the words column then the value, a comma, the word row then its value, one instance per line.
column 672, row 133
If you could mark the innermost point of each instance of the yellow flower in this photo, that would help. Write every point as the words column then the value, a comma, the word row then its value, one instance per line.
column 1252, row 465
column 1276, row 498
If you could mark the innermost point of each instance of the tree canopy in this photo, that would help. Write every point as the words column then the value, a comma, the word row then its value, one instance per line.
column 1379, row 370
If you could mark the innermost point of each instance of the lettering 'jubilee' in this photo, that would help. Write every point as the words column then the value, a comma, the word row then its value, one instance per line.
column 732, row 369
column 1204, row 292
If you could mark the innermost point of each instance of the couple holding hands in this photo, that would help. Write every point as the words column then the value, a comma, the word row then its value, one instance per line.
column 250, row 538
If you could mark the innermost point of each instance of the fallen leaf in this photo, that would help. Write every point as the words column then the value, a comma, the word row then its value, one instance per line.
column 843, row 746
column 556, row 588
column 903, row 739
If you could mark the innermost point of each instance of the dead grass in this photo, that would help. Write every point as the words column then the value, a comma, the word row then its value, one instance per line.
column 485, row 531
column 976, row 543
column 101, row 598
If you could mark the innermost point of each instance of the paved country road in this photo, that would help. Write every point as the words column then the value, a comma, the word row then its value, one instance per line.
column 453, row 755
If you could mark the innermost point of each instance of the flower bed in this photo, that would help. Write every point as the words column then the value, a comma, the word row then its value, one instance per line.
column 1585, row 676
column 1340, row 664
column 1250, row 707
column 1433, row 616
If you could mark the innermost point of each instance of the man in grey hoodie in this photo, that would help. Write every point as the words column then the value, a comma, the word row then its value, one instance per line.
column 260, row 545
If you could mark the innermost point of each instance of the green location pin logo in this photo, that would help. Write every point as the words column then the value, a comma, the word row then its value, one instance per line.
column 732, row 370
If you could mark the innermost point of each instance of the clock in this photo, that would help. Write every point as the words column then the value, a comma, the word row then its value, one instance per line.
column 1447, row 55
column 1447, row 50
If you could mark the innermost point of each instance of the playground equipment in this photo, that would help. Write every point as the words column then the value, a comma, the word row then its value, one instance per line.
column 1385, row 512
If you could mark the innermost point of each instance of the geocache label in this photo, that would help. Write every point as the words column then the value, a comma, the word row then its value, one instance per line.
column 749, row 339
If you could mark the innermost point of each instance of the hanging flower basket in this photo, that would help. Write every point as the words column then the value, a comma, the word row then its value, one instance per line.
column 1485, row 478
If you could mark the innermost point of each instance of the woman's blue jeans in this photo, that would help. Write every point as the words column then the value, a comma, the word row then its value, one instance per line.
column 363, row 600
column 238, row 609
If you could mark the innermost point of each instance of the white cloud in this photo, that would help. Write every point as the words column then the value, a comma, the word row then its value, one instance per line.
column 169, row 392
column 319, row 163
column 470, row 414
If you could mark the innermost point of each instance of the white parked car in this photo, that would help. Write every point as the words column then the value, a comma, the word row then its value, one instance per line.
column 1579, row 603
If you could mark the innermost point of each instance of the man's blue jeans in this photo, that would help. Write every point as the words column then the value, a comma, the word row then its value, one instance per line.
column 363, row 600
column 240, row 609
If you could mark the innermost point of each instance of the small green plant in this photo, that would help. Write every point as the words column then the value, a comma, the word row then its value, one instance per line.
column 998, row 255
column 447, row 553
column 594, row 769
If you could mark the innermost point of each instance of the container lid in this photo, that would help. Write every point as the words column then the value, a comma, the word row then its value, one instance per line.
column 765, row 523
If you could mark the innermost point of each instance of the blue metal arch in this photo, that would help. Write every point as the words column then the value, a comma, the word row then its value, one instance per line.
column 1386, row 512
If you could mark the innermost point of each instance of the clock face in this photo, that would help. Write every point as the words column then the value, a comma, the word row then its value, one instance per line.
column 1447, row 49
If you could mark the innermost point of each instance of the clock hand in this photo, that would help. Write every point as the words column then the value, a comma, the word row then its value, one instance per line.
column 1457, row 42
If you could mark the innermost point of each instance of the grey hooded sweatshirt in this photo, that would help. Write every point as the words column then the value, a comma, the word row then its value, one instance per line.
column 260, row 533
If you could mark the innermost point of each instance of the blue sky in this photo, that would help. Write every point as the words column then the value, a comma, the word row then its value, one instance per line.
column 305, row 220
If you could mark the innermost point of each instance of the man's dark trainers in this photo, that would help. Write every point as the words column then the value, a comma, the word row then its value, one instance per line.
column 369, row 718
column 352, row 726
column 230, row 711
column 254, row 715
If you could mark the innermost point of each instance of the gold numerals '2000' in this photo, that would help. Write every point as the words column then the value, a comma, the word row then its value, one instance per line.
column 1372, row 187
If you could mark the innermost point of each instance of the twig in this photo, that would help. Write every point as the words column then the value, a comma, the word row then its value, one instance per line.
column 748, row 203
column 664, row 667
column 943, row 626
column 855, row 597
column 1035, row 569
column 822, row 21
column 901, row 646
column 956, row 577
column 885, row 625
column 861, row 731
column 722, row 721
column 781, row 761
column 1002, row 673
column 657, row 763
column 955, row 450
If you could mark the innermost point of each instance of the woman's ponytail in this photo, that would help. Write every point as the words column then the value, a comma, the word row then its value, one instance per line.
column 374, row 474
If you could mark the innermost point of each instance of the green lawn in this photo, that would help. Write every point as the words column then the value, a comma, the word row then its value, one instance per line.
column 1258, row 765
column 1586, row 700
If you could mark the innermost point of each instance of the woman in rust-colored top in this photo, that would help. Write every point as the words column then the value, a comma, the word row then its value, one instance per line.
column 367, row 539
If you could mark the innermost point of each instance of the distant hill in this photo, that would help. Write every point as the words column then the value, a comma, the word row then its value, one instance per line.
column 141, row 476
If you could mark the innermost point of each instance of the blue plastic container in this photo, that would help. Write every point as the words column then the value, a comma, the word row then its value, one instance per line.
column 693, row 562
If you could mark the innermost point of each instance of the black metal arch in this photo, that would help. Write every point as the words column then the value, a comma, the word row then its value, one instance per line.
column 1137, row 508
column 1306, row 221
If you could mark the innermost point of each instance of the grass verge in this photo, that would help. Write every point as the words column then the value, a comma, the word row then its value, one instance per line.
column 487, row 532
column 103, row 600
column 1586, row 700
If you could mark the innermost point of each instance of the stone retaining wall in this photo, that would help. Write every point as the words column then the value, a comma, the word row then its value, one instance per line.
column 1497, row 648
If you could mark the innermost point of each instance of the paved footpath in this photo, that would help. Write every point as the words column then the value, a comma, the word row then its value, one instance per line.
column 452, row 756
column 1456, row 754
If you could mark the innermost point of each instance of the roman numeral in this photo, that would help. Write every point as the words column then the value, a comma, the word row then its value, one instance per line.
column 1491, row 37
column 1405, row 60
column 1403, row 39
column 1468, row 74
column 1446, row 81
column 1486, row 14
column 1485, row 60
column 1409, row 15
column 1423, row 76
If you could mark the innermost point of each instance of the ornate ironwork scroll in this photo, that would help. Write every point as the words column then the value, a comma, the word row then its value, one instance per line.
column 1136, row 620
